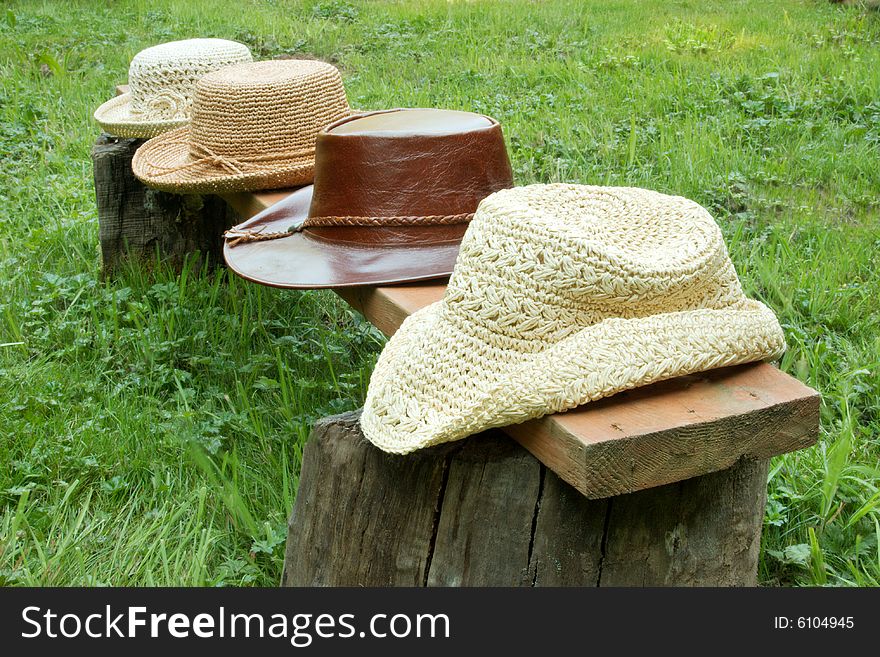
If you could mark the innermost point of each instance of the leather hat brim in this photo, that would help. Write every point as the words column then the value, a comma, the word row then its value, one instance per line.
column 340, row 257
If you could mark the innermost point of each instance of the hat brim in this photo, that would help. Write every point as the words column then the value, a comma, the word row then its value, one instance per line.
column 165, row 163
column 424, row 392
column 340, row 257
column 115, row 117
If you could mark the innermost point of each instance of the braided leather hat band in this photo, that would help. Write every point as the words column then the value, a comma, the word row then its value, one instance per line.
column 239, row 236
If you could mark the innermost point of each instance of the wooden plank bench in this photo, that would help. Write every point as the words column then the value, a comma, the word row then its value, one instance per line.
column 670, row 481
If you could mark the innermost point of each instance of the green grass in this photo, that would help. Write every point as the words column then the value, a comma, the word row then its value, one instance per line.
column 152, row 425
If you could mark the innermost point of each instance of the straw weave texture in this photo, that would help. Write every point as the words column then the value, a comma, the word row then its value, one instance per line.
column 253, row 127
column 561, row 295
column 161, row 83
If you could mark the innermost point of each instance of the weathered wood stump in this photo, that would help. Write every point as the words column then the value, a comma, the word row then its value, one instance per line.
column 485, row 512
column 145, row 224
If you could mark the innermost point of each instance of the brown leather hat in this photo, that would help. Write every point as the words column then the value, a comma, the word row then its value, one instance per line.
column 393, row 193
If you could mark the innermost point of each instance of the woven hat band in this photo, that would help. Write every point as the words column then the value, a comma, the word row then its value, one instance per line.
column 200, row 155
column 236, row 236
column 431, row 220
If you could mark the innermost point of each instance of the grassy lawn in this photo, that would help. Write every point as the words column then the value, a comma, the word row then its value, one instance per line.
column 151, row 426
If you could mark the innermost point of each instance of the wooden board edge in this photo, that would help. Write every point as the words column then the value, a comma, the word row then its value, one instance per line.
column 383, row 307
column 385, row 317
column 570, row 458
column 245, row 204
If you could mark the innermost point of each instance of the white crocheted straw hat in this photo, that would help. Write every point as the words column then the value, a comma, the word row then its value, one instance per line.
column 254, row 126
column 561, row 295
column 161, row 81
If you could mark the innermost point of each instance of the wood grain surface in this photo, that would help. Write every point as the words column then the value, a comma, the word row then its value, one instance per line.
column 483, row 512
column 137, row 222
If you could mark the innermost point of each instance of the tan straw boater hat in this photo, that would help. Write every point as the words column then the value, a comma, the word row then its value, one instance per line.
column 161, row 81
column 561, row 295
column 253, row 127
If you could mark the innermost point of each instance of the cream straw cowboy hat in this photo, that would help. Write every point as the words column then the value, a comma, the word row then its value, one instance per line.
column 253, row 127
column 561, row 295
column 161, row 80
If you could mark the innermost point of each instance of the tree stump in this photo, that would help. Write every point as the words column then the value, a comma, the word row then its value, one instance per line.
column 148, row 225
column 485, row 512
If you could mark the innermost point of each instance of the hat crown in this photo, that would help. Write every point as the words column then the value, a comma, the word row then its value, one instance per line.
column 266, row 108
column 162, row 78
column 539, row 263
column 409, row 162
